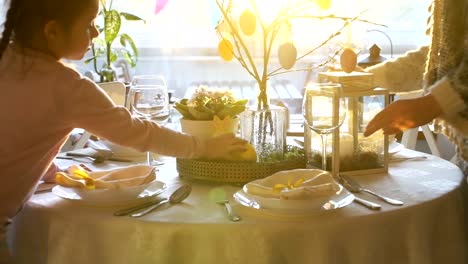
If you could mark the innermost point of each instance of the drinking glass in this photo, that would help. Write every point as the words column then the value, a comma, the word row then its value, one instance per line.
column 148, row 98
column 324, row 110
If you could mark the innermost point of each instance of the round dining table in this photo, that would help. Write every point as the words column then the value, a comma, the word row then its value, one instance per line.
column 429, row 227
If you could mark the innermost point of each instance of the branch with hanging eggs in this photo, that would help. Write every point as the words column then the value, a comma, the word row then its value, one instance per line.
column 253, row 24
column 287, row 52
column 237, row 31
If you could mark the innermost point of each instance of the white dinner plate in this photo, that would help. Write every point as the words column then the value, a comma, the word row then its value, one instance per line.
column 292, row 207
column 109, row 197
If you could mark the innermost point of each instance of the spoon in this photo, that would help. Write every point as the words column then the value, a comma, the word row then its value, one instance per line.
column 232, row 216
column 176, row 197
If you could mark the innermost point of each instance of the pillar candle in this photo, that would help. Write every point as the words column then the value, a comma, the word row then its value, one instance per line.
column 346, row 145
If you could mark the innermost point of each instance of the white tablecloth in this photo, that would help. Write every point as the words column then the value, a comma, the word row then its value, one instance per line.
column 429, row 228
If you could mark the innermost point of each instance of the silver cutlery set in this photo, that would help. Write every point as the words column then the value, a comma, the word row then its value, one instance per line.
column 176, row 197
column 354, row 187
column 183, row 192
column 143, row 209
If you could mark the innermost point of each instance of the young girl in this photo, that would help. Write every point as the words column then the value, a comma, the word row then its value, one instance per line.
column 43, row 100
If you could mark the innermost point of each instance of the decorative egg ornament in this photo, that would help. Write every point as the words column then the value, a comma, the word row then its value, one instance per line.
column 247, row 22
column 348, row 60
column 287, row 54
column 324, row 4
column 226, row 50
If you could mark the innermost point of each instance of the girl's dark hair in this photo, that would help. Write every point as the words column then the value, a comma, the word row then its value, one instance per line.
column 26, row 18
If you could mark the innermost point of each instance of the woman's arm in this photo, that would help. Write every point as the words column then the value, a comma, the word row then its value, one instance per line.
column 403, row 74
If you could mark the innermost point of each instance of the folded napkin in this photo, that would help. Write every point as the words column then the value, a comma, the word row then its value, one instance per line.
column 119, row 178
column 299, row 184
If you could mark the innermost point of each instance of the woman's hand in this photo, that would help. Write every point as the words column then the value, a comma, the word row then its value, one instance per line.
column 404, row 114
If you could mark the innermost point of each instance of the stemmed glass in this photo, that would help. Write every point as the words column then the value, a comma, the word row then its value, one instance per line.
column 324, row 110
column 148, row 98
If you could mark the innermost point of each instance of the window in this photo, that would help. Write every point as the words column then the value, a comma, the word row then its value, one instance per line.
column 180, row 41
column 189, row 24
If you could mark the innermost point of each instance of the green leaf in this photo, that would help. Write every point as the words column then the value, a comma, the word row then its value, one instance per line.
column 128, row 57
column 125, row 40
column 241, row 102
column 113, row 56
column 99, row 42
column 200, row 114
column 112, row 24
column 131, row 17
column 183, row 109
column 87, row 61
column 100, row 29
column 231, row 110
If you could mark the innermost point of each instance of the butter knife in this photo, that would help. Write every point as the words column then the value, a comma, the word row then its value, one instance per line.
column 366, row 203
column 110, row 158
column 129, row 210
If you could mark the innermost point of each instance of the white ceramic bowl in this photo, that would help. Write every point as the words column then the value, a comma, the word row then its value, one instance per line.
column 205, row 128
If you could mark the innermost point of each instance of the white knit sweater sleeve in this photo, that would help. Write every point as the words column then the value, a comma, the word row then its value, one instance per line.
column 403, row 74
column 448, row 97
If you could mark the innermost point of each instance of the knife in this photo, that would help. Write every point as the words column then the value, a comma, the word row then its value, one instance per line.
column 368, row 204
column 129, row 210
column 93, row 156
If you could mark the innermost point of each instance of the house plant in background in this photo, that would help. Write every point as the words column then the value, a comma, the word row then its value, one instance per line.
column 103, row 46
column 271, row 23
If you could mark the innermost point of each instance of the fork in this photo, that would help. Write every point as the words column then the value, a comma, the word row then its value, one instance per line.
column 366, row 203
column 355, row 187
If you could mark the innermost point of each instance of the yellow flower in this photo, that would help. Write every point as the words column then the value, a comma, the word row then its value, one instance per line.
column 222, row 126
column 89, row 182
column 289, row 186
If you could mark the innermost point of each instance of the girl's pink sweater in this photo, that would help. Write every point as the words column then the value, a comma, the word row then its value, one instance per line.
column 41, row 101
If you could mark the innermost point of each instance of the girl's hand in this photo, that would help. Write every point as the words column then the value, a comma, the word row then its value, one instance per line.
column 220, row 147
column 404, row 114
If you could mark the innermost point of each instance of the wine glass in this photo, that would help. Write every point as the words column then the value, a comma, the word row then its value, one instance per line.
column 148, row 98
column 324, row 110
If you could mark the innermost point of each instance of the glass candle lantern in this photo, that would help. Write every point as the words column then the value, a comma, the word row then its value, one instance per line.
column 348, row 150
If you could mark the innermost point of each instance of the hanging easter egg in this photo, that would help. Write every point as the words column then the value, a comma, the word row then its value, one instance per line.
column 348, row 60
column 247, row 22
column 287, row 54
column 324, row 4
column 226, row 50
column 160, row 4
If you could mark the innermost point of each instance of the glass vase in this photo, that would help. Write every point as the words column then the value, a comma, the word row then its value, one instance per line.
column 265, row 128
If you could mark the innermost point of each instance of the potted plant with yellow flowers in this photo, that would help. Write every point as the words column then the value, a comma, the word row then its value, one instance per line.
column 103, row 46
column 210, row 112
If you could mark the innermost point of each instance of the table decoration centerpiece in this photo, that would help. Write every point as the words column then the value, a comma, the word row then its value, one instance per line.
column 270, row 23
column 211, row 112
